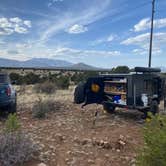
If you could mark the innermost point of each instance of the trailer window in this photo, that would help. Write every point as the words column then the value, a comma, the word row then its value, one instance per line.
column 148, row 86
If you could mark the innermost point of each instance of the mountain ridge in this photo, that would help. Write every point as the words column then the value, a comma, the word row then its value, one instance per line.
column 44, row 63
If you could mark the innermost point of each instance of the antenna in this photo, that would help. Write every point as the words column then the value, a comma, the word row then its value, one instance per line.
column 151, row 34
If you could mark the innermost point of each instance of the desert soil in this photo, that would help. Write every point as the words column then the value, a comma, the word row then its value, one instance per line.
column 72, row 136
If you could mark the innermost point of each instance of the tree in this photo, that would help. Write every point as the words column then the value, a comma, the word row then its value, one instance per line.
column 121, row 69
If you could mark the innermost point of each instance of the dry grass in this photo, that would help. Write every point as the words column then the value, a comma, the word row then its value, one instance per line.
column 29, row 98
column 15, row 148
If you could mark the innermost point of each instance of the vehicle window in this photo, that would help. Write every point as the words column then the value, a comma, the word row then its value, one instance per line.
column 4, row 78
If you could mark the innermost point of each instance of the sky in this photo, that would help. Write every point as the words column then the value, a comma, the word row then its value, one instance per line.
column 102, row 33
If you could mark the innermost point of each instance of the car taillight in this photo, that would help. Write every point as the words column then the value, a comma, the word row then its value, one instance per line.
column 8, row 91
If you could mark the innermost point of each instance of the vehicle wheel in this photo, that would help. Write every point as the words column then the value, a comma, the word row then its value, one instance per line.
column 12, row 108
column 109, row 108
column 154, row 107
column 79, row 93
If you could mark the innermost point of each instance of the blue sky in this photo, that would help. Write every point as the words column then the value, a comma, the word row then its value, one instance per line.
column 103, row 33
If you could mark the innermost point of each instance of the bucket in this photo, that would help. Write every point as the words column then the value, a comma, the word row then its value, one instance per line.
column 144, row 99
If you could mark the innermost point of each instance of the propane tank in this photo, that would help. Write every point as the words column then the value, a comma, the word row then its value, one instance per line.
column 144, row 99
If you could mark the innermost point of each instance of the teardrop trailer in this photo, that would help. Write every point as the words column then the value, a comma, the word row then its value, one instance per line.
column 142, row 90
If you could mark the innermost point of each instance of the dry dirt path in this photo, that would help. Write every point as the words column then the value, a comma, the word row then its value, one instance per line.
column 69, row 137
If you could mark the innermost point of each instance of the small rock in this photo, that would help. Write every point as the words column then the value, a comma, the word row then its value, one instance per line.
column 122, row 142
column 67, row 159
column 106, row 145
column 69, row 152
column 91, row 161
column 76, row 139
column 41, row 164
column 74, row 130
column 121, row 137
column 42, row 145
column 133, row 161
column 101, row 143
column 107, row 155
column 86, row 141
column 118, row 150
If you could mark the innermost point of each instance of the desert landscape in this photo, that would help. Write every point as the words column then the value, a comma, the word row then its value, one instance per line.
column 57, row 57
column 69, row 136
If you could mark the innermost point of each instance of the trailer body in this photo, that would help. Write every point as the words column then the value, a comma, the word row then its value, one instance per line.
column 137, row 90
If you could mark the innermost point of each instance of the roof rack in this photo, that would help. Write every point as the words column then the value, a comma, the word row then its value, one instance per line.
column 147, row 70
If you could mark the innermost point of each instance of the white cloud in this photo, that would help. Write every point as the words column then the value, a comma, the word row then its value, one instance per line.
column 4, row 23
column 12, row 25
column 142, row 43
column 67, row 19
column 139, row 40
column 6, row 31
column 16, row 20
column 53, row 1
column 23, row 45
column 75, row 29
column 19, row 29
column 155, row 50
column 142, row 25
column 145, row 24
column 28, row 50
column 98, row 41
column 83, row 53
column 108, row 39
column 58, row 0
column 111, row 38
column 27, row 23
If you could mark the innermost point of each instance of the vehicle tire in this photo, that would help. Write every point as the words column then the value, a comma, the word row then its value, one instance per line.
column 12, row 108
column 79, row 93
column 154, row 107
column 109, row 108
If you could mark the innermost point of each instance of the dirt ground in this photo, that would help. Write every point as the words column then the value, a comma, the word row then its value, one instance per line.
column 72, row 136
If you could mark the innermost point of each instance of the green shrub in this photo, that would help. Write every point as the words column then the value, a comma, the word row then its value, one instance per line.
column 12, row 123
column 29, row 78
column 81, row 77
column 41, row 108
column 121, row 69
column 17, row 78
column 46, row 87
column 62, row 82
column 154, row 150
column 15, row 146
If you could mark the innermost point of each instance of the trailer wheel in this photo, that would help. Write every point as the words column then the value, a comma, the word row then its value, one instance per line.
column 109, row 108
column 79, row 93
column 154, row 107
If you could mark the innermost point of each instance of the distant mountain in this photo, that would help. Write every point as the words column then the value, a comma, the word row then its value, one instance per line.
column 45, row 63
column 9, row 63
column 83, row 66
column 35, row 62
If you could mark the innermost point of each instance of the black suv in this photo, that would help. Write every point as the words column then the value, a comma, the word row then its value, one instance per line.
column 8, row 95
